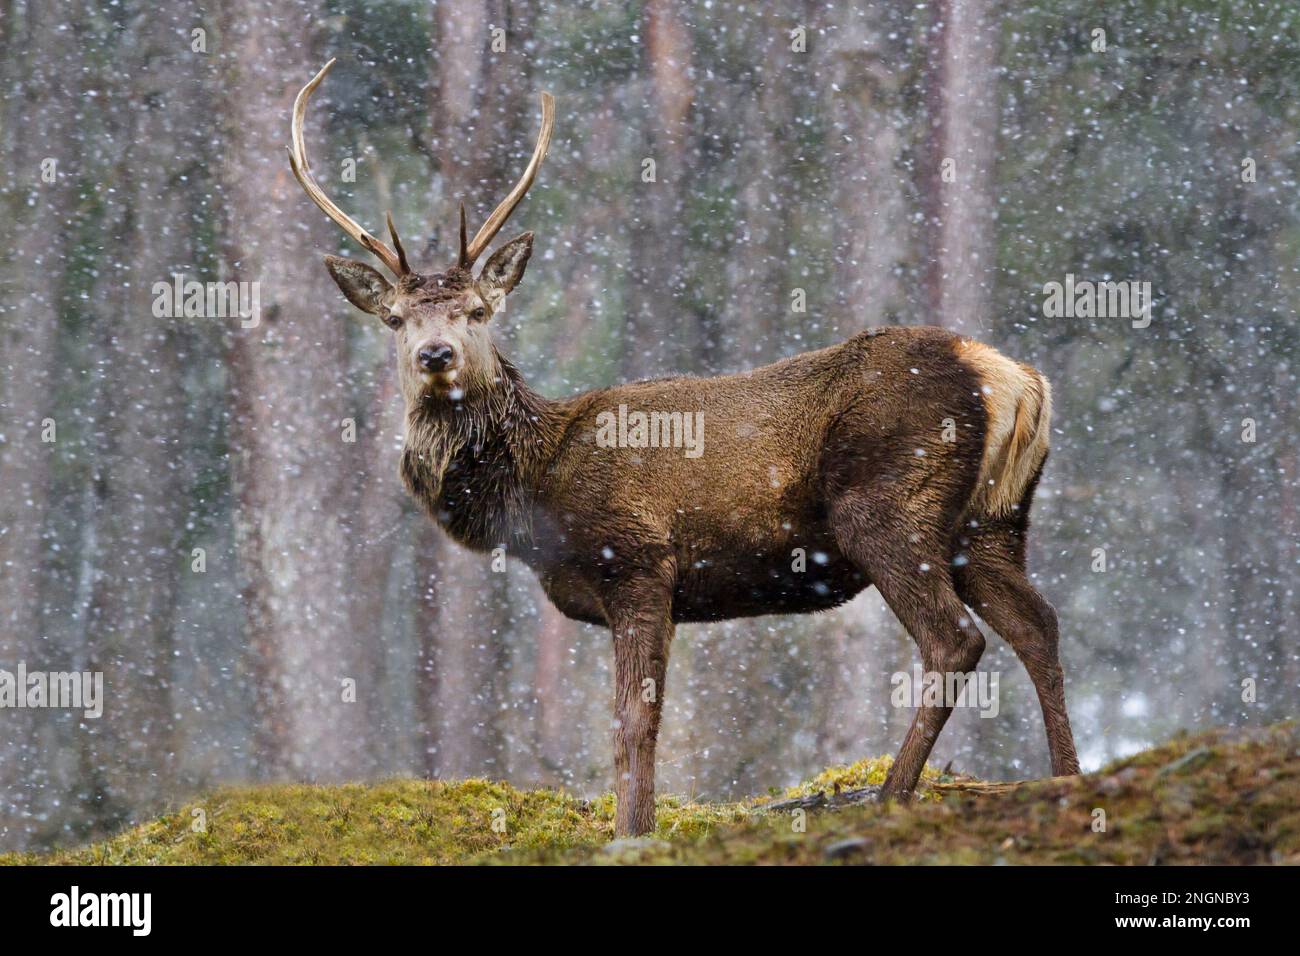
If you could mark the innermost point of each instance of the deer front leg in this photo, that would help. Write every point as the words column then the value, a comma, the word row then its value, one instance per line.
column 640, row 619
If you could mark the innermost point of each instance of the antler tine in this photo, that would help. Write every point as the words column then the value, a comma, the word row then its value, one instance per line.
column 507, row 206
column 464, row 260
column 395, row 261
column 397, row 244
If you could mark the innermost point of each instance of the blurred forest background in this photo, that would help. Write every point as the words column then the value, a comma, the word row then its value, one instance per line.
column 777, row 169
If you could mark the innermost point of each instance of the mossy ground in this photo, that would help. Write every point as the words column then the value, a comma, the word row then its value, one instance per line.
column 1222, row 797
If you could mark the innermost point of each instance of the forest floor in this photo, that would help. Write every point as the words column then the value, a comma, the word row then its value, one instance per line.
column 1220, row 797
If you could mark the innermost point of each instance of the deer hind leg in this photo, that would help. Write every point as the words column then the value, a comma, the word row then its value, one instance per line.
column 910, row 569
column 993, row 583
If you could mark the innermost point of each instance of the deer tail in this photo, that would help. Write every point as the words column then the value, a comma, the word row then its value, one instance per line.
column 1018, row 406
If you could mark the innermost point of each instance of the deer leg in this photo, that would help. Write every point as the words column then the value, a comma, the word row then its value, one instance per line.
column 913, row 578
column 641, row 622
column 950, row 643
column 993, row 583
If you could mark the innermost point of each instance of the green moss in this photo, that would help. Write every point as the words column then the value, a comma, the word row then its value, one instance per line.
column 870, row 772
column 1225, row 797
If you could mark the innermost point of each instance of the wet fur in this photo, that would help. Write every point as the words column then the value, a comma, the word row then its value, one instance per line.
column 904, row 458
column 510, row 468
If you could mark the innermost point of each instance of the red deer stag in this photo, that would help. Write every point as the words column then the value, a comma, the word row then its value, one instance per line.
column 904, row 458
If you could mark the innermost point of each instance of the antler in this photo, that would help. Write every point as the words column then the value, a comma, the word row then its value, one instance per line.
column 469, row 253
column 395, row 261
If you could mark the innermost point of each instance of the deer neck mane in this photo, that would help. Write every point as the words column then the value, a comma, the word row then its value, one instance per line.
column 475, row 464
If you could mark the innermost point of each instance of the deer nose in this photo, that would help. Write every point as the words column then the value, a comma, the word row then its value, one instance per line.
column 436, row 357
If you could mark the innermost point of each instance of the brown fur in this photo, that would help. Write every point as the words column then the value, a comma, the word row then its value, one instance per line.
column 838, row 454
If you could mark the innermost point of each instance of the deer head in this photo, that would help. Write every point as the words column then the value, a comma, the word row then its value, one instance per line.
column 444, row 348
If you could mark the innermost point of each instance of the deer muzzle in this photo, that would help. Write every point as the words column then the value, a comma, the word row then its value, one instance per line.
column 438, row 357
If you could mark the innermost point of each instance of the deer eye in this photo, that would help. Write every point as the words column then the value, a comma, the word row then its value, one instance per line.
column 390, row 320
column 479, row 314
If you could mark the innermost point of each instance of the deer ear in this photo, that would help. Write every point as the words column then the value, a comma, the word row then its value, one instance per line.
column 504, row 270
column 364, row 286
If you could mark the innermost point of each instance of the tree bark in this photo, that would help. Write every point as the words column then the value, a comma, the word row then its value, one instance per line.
column 962, row 95
column 38, row 123
column 140, row 487
column 290, row 463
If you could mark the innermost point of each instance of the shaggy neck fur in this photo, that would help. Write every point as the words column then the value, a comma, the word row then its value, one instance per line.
column 475, row 465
